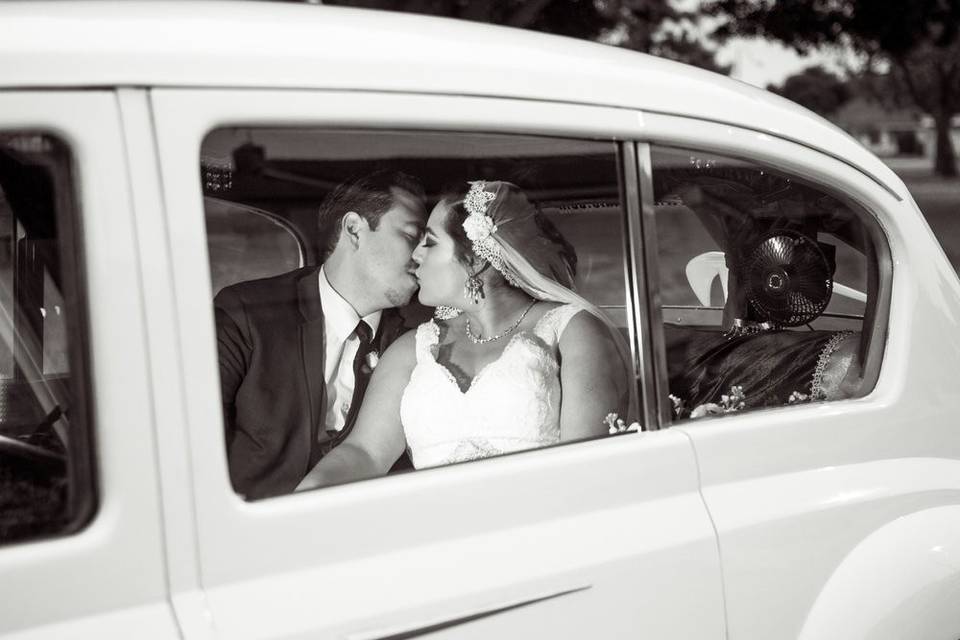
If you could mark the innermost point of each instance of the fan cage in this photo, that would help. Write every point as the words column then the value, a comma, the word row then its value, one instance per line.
column 787, row 278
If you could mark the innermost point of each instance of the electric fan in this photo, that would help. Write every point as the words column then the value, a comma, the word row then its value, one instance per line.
column 787, row 278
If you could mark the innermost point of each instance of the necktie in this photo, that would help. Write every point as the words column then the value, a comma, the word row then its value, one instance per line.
column 361, row 373
column 365, row 335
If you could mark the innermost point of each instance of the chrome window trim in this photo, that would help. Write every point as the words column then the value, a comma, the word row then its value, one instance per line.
column 656, row 345
column 636, row 272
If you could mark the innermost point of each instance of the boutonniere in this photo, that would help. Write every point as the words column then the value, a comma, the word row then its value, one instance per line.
column 373, row 358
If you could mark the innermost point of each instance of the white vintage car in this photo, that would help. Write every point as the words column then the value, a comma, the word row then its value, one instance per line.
column 793, row 323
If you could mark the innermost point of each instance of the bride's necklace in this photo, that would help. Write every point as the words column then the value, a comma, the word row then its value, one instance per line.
column 475, row 339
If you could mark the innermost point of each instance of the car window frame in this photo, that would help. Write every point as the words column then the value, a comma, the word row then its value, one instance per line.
column 864, row 195
column 83, row 493
column 631, row 249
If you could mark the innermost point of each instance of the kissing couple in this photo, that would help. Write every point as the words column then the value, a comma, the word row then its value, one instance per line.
column 320, row 385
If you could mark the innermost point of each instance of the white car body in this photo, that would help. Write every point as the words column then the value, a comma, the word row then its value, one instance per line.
column 832, row 520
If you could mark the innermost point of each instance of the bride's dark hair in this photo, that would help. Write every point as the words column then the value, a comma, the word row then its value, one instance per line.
column 532, row 233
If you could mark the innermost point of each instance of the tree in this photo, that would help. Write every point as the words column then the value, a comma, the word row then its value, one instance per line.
column 815, row 88
column 917, row 40
column 685, row 48
column 931, row 76
column 649, row 26
column 578, row 18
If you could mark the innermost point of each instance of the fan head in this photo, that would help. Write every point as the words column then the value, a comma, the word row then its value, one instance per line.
column 787, row 278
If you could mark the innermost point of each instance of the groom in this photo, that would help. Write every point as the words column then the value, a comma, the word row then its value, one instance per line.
column 296, row 350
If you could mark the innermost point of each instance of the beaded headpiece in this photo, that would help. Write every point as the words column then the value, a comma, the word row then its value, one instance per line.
column 480, row 228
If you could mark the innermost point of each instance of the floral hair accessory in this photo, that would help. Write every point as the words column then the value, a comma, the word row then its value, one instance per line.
column 480, row 228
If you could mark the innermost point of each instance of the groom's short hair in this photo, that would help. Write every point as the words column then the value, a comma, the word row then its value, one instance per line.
column 369, row 195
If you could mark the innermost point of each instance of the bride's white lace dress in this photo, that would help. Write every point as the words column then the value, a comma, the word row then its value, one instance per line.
column 513, row 403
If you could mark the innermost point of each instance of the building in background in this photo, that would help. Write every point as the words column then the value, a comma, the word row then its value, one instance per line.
column 890, row 131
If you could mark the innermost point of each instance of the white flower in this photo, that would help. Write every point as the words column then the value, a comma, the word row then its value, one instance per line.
column 373, row 358
column 615, row 424
column 735, row 401
column 479, row 227
column 678, row 405
column 706, row 409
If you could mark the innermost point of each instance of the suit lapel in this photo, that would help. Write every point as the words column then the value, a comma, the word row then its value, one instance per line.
column 312, row 353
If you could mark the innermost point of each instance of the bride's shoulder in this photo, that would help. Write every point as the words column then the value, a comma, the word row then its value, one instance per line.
column 554, row 316
column 546, row 306
column 583, row 332
column 545, row 309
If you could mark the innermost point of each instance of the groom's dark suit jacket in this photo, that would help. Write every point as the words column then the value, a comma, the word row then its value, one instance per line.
column 270, row 339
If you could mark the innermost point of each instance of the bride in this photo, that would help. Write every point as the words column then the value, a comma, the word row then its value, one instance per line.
column 515, row 359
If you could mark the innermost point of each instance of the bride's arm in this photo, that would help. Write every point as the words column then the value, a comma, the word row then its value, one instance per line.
column 592, row 380
column 376, row 440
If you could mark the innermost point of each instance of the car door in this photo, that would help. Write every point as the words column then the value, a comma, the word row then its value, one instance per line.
column 607, row 536
column 81, row 532
column 836, row 503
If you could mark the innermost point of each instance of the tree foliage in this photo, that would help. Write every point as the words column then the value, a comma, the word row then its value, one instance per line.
column 919, row 41
column 815, row 88
column 875, row 26
column 633, row 24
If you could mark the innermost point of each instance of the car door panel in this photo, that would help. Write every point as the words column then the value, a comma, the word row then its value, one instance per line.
column 105, row 576
column 546, row 542
column 574, row 528
column 802, row 494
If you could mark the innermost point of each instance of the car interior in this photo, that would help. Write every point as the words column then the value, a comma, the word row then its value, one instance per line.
column 755, row 266
column 44, row 448
column 282, row 176
column 767, row 283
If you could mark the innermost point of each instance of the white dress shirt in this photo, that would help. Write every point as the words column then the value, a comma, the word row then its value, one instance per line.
column 339, row 323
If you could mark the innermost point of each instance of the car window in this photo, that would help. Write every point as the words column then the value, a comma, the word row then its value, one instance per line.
column 46, row 485
column 769, row 286
column 288, row 176
column 247, row 243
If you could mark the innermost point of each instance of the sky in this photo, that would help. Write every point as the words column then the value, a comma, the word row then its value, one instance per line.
column 760, row 62
column 757, row 61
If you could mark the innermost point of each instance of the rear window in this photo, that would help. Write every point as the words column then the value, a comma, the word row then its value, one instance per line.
column 770, row 286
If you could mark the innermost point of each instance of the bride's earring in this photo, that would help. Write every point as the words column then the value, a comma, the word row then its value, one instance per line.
column 443, row 312
column 473, row 289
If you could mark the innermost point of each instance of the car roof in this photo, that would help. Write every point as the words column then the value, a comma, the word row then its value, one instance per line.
column 93, row 43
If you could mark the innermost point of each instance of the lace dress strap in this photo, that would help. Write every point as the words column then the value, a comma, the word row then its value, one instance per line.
column 832, row 365
column 551, row 325
column 428, row 335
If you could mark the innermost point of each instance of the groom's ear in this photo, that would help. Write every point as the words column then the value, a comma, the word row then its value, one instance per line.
column 353, row 227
